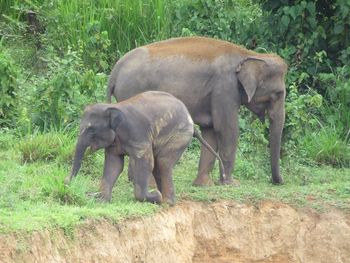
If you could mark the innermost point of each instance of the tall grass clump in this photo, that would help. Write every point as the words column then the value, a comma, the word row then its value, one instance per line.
column 337, row 94
column 104, row 29
column 45, row 146
column 327, row 146
column 108, row 27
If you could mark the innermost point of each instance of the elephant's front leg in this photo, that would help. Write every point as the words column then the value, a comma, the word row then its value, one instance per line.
column 207, row 159
column 113, row 166
column 227, row 142
column 227, row 130
column 142, row 172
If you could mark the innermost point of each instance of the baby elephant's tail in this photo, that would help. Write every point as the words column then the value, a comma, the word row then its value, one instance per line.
column 198, row 135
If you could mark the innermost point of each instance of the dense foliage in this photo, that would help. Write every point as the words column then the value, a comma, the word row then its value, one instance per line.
column 8, row 87
column 314, row 36
column 55, row 57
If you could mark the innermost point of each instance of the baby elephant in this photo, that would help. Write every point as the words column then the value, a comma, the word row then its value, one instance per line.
column 152, row 128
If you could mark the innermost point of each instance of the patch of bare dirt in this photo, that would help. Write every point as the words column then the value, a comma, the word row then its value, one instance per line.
column 196, row 232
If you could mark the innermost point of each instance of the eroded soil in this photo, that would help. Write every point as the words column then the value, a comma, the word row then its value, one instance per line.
column 195, row 232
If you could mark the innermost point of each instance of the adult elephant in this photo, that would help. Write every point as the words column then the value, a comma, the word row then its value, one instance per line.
column 213, row 78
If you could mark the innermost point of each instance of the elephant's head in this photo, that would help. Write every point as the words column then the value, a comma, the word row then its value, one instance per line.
column 97, row 129
column 262, row 78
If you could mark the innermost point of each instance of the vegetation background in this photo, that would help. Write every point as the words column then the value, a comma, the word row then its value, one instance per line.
column 55, row 57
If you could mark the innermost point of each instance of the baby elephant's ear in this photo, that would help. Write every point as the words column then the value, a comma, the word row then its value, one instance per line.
column 115, row 116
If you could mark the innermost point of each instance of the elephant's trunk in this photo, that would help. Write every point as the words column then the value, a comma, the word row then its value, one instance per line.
column 276, row 127
column 78, row 157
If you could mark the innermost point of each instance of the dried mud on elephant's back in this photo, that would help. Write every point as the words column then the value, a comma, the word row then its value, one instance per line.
column 196, row 232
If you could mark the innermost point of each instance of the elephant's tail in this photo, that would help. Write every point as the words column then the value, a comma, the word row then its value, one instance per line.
column 110, row 89
column 198, row 135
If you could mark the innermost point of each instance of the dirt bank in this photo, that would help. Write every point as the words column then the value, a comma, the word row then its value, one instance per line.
column 196, row 232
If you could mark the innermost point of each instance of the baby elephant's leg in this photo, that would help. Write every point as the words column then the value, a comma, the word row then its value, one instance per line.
column 151, row 181
column 142, row 169
column 164, row 165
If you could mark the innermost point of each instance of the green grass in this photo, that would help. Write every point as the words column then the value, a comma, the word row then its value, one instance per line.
column 80, row 22
column 33, row 196
column 327, row 146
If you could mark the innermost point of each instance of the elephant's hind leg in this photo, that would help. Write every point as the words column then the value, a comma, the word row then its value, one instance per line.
column 164, row 165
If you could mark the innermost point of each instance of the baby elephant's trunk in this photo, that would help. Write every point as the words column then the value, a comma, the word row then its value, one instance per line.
column 198, row 135
column 78, row 157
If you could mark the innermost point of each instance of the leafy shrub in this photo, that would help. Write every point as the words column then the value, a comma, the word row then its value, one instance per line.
column 301, row 110
column 235, row 21
column 62, row 93
column 8, row 89
column 6, row 139
column 96, row 47
column 306, row 31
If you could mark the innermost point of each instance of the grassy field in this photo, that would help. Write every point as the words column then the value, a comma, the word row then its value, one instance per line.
column 33, row 196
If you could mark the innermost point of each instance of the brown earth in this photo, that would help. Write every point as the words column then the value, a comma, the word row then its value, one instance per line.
column 195, row 232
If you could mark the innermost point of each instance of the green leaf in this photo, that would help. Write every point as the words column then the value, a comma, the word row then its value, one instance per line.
column 293, row 12
column 338, row 28
column 285, row 21
column 311, row 8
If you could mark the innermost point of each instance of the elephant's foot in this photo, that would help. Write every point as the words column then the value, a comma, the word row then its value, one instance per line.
column 277, row 180
column 203, row 180
column 67, row 180
column 229, row 180
column 100, row 197
column 169, row 201
column 154, row 197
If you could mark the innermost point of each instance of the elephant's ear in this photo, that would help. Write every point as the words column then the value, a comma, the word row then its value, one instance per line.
column 248, row 72
column 115, row 117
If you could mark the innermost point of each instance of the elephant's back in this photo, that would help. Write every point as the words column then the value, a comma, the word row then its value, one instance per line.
column 129, row 73
column 162, row 114
column 194, row 48
column 157, row 106
column 155, row 102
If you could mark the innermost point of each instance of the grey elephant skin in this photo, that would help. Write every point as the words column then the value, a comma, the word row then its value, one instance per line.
column 153, row 128
column 213, row 78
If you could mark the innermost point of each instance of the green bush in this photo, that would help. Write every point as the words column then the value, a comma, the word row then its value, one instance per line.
column 96, row 48
column 58, row 98
column 301, row 110
column 8, row 89
column 305, row 31
column 235, row 21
